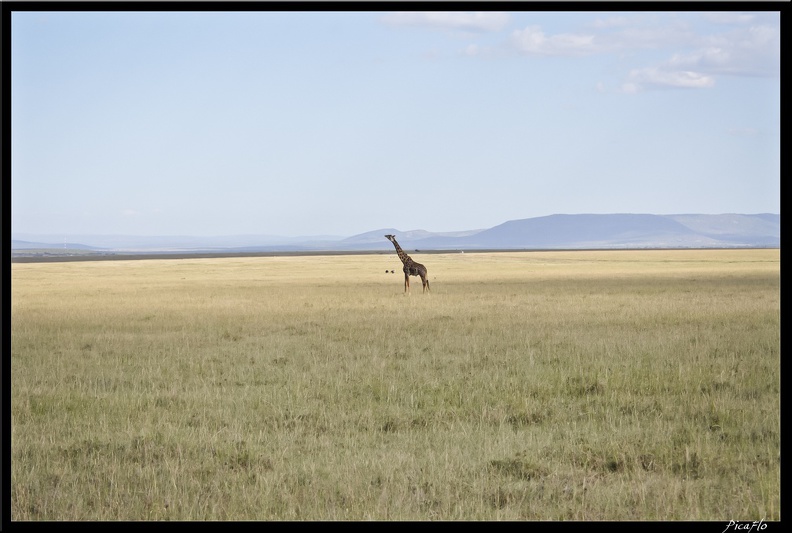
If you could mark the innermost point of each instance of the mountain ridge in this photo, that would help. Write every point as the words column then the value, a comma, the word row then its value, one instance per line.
column 558, row 231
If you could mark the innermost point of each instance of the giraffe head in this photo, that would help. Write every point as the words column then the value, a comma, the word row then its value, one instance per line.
column 390, row 237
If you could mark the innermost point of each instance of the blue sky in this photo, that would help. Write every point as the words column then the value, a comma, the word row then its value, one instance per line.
column 338, row 123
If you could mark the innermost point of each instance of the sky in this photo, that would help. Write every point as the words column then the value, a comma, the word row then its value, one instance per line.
column 339, row 123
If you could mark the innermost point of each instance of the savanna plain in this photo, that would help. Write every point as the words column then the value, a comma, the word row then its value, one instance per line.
column 584, row 385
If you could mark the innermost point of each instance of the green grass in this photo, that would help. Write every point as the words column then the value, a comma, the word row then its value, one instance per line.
column 540, row 386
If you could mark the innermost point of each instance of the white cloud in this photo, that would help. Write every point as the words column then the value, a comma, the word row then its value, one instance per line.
column 753, row 51
column 695, row 56
column 728, row 17
column 533, row 41
column 619, row 34
column 651, row 37
column 472, row 21
column 472, row 50
column 612, row 22
column 658, row 78
column 630, row 88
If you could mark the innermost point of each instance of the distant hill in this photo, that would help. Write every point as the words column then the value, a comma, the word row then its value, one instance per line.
column 735, row 228
column 25, row 245
column 377, row 236
column 581, row 231
column 162, row 243
column 628, row 231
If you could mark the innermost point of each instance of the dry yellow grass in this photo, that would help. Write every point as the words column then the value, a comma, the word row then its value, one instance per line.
column 548, row 385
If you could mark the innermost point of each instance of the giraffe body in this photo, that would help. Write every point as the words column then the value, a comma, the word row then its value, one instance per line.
column 411, row 268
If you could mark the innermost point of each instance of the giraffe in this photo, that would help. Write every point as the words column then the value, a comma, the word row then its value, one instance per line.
column 411, row 268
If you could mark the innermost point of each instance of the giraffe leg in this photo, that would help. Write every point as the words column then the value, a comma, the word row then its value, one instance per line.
column 407, row 283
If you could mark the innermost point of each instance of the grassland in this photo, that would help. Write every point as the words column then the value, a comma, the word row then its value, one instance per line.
column 618, row 385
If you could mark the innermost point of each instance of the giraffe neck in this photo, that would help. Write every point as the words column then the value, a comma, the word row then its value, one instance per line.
column 402, row 255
